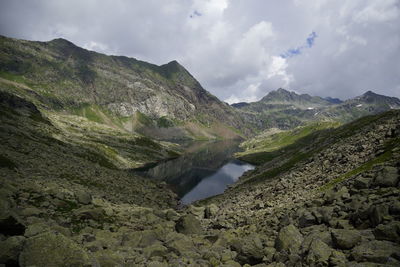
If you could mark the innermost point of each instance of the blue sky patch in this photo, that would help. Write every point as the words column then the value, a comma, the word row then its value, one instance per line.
column 298, row 50
column 196, row 14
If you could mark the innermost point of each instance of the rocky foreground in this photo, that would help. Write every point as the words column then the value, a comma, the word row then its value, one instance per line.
column 340, row 206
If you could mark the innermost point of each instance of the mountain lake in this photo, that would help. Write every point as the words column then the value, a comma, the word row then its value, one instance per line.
column 204, row 169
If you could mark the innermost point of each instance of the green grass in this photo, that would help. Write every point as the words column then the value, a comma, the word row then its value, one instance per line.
column 282, row 139
column 144, row 119
column 91, row 112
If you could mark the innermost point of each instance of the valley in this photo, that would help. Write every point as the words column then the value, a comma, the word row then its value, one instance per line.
column 113, row 161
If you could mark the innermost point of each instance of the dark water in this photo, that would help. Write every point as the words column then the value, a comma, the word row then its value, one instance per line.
column 204, row 170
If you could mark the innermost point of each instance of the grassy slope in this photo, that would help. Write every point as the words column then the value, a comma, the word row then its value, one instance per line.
column 269, row 142
column 72, row 151
column 280, row 160
column 96, row 132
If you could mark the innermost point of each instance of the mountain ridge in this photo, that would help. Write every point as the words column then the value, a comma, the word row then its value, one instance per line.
column 124, row 88
column 285, row 109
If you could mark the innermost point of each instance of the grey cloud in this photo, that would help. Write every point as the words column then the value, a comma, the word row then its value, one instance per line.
column 233, row 46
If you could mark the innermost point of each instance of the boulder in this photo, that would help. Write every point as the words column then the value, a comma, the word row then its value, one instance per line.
column 394, row 208
column 326, row 213
column 211, row 211
column 10, row 250
column 388, row 232
column 52, row 249
column 345, row 239
column 307, row 219
column 198, row 212
column 387, row 177
column 269, row 253
column 289, row 239
column 89, row 212
column 249, row 249
column 375, row 251
column 83, row 197
column 35, row 229
column 377, row 213
column 188, row 224
column 337, row 258
column 156, row 250
column 362, row 182
column 180, row 244
column 318, row 253
column 148, row 237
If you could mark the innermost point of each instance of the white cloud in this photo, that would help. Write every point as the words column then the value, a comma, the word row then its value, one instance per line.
column 377, row 11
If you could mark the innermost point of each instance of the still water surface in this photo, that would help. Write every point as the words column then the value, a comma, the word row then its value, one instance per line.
column 205, row 169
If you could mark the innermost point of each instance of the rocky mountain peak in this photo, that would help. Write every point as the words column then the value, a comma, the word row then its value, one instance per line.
column 371, row 97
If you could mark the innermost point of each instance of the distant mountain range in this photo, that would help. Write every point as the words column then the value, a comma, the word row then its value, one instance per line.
column 285, row 110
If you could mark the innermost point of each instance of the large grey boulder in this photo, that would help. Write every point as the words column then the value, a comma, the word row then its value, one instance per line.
column 345, row 239
column 387, row 177
column 189, row 224
column 211, row 210
column 180, row 244
column 10, row 249
column 249, row 249
column 375, row 251
column 289, row 239
column 377, row 213
column 52, row 249
column 83, row 197
column 388, row 231
column 318, row 253
column 198, row 212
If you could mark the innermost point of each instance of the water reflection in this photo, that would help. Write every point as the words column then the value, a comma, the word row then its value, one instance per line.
column 204, row 170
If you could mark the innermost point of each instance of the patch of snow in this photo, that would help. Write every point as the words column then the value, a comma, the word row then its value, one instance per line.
column 310, row 108
column 359, row 105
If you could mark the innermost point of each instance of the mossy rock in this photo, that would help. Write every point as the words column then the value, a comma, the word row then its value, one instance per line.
column 52, row 249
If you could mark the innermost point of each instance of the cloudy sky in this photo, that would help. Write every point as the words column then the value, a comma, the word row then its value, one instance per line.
column 238, row 49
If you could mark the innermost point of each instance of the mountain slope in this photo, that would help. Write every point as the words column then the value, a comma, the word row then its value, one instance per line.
column 69, row 78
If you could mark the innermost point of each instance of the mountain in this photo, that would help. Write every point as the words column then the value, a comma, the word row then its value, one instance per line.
column 285, row 110
column 282, row 96
column 322, row 194
column 163, row 102
column 333, row 100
